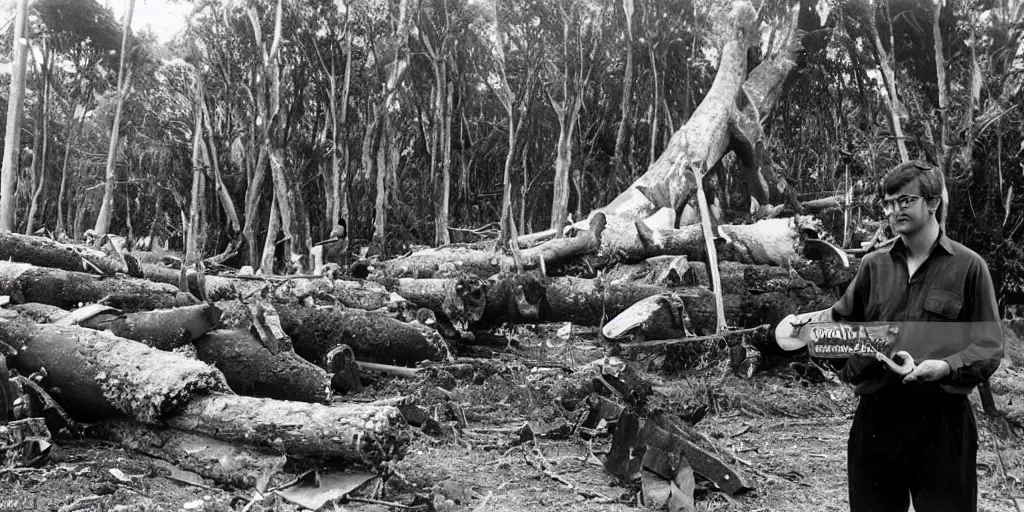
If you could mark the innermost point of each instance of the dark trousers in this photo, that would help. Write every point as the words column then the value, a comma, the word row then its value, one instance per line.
column 913, row 441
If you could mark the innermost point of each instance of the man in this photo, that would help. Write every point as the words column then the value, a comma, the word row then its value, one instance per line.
column 914, row 436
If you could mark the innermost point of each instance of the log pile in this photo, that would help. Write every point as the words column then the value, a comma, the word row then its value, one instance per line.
column 111, row 337
column 108, row 350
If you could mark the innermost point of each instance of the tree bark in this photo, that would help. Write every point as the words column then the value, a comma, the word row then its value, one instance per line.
column 893, row 103
column 39, row 154
column 124, row 80
column 15, row 109
column 71, row 136
column 66, row 289
column 341, row 180
column 267, row 93
column 270, row 243
column 940, row 80
column 45, row 252
column 102, row 376
column 627, row 94
column 456, row 260
column 348, row 434
column 210, row 152
column 294, row 218
column 766, row 242
column 163, row 329
column 460, row 300
column 223, row 463
column 373, row 337
column 593, row 302
column 195, row 240
column 252, row 370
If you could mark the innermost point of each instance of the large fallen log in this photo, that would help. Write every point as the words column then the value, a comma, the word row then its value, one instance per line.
column 44, row 252
column 224, row 463
column 167, row 329
column 252, row 370
column 766, row 242
column 373, row 337
column 455, row 261
column 593, row 302
column 67, row 289
column 164, row 329
column 349, row 433
column 366, row 295
column 674, row 271
column 100, row 376
column 460, row 300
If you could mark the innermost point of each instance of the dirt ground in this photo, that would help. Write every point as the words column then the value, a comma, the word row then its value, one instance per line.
column 787, row 433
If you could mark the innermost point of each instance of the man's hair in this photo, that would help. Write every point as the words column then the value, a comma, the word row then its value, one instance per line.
column 930, row 181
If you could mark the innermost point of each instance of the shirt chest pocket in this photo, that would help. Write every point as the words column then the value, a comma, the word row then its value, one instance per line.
column 942, row 305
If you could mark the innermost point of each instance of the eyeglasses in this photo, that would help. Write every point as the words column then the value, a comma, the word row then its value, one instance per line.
column 903, row 201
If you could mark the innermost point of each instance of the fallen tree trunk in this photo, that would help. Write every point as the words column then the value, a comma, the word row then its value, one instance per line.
column 100, row 376
column 349, row 433
column 251, row 370
column 364, row 295
column 454, row 261
column 44, row 252
column 164, row 329
column 675, row 271
column 593, row 302
column 66, row 289
column 460, row 300
column 373, row 337
column 167, row 329
column 766, row 242
column 224, row 463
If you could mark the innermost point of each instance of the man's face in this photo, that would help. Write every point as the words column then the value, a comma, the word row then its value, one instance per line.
column 907, row 211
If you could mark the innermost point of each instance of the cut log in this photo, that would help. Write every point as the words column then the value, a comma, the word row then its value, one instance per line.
column 674, row 271
column 373, row 337
column 67, row 289
column 592, row 302
column 252, row 370
column 364, row 295
column 346, row 434
column 167, row 329
column 667, row 271
column 101, row 376
column 341, row 363
column 461, row 300
column 164, row 329
column 652, row 318
column 224, row 463
column 446, row 262
column 24, row 442
column 766, row 242
column 456, row 261
column 44, row 252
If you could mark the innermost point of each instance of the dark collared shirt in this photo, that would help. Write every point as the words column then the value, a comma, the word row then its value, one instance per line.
column 946, row 311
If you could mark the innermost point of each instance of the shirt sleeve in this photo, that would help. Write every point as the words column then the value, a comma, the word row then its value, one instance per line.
column 980, row 359
column 852, row 307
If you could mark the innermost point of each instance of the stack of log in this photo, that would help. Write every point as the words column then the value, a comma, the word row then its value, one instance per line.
column 114, row 352
column 112, row 336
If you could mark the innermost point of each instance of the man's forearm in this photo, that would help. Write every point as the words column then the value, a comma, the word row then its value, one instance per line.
column 979, row 360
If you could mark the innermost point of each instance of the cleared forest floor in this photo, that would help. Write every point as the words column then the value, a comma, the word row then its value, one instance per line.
column 788, row 436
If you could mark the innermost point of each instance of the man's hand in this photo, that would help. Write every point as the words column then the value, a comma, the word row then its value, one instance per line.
column 928, row 370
